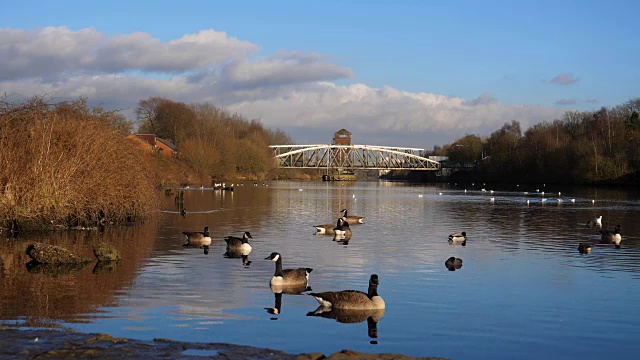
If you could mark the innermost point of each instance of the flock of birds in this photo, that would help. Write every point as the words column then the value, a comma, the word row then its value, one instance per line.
column 295, row 280
column 606, row 237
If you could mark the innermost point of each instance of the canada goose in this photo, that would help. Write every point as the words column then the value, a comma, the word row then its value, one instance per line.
column 584, row 248
column 327, row 229
column 342, row 231
column 352, row 219
column 197, row 238
column 287, row 276
column 597, row 221
column 458, row 238
column 352, row 299
column 239, row 244
column 453, row 263
column 611, row 237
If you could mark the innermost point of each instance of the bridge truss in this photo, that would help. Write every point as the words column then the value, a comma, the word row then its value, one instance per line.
column 352, row 157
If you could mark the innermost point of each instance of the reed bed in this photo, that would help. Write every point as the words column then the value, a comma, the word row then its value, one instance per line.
column 67, row 164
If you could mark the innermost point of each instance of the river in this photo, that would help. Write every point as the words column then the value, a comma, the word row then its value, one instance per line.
column 523, row 291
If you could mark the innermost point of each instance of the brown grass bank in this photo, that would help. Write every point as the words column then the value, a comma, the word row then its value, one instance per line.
column 67, row 163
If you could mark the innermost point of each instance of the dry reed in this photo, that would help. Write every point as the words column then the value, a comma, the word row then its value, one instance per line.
column 66, row 163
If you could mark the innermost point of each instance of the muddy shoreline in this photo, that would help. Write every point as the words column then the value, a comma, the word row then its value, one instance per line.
column 57, row 344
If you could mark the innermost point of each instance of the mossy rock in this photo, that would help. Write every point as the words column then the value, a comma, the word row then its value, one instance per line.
column 51, row 254
column 106, row 252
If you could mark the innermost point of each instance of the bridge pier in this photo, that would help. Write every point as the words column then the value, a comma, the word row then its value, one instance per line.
column 339, row 177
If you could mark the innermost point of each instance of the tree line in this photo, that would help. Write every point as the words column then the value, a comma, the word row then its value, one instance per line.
column 583, row 147
column 211, row 140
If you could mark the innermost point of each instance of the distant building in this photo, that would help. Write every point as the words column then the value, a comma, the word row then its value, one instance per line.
column 153, row 144
column 342, row 137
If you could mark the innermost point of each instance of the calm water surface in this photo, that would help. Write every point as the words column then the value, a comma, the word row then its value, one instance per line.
column 523, row 292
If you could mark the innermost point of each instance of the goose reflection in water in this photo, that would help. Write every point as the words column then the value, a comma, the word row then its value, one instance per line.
column 238, row 254
column 351, row 316
column 453, row 263
column 278, row 290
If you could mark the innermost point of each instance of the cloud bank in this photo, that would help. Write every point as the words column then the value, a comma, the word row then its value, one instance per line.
column 291, row 90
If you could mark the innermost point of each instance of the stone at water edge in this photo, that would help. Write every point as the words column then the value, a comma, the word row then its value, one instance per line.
column 52, row 254
column 106, row 252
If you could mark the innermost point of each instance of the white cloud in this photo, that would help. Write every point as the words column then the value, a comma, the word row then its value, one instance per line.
column 289, row 90
column 281, row 69
column 564, row 79
column 364, row 110
column 52, row 51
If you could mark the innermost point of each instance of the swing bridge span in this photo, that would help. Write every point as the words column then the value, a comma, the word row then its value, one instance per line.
column 352, row 157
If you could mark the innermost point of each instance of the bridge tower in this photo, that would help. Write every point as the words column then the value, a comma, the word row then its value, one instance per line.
column 343, row 137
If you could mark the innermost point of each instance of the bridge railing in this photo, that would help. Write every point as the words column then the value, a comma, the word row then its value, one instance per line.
column 368, row 157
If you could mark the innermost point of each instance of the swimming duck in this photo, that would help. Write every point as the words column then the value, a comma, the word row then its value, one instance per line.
column 611, row 237
column 584, row 248
column 352, row 219
column 458, row 238
column 352, row 299
column 239, row 244
column 287, row 276
column 198, row 238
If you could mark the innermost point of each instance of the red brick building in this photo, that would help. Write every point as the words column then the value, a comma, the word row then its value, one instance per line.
column 154, row 145
column 342, row 137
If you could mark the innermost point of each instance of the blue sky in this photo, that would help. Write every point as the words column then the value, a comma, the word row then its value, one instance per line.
column 407, row 73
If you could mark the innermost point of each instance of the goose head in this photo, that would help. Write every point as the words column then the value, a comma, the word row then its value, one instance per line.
column 273, row 257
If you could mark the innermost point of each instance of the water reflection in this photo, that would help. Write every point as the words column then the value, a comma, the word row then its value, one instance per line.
column 238, row 254
column 453, row 263
column 34, row 267
column 350, row 316
column 279, row 290
column 105, row 267
column 46, row 294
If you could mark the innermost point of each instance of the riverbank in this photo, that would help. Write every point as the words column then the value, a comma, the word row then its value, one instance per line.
column 56, row 344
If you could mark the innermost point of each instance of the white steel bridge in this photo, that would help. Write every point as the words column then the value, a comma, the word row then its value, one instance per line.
column 352, row 157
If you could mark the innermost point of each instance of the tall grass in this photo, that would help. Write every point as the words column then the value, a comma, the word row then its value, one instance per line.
column 68, row 163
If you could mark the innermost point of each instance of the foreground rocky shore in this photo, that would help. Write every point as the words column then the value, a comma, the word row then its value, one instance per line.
column 56, row 344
